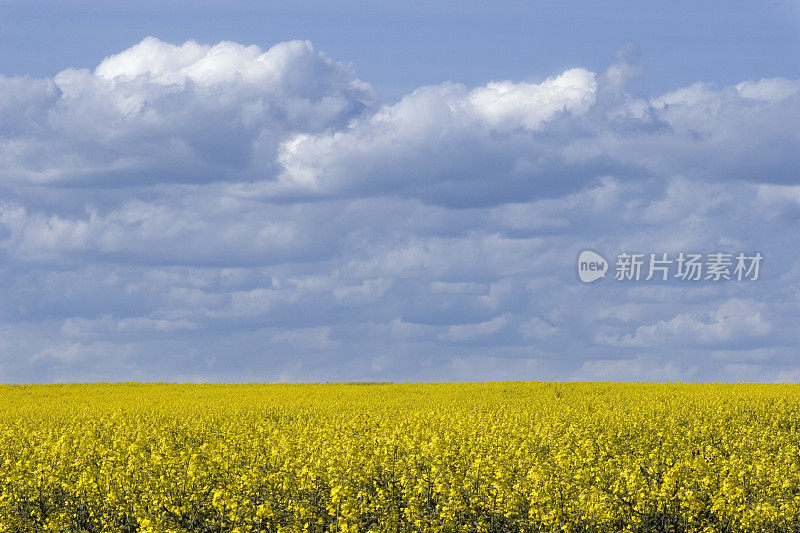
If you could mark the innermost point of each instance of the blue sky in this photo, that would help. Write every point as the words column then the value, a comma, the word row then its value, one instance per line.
column 398, row 46
column 395, row 191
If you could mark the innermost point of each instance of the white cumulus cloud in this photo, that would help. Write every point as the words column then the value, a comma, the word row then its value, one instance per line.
column 224, row 211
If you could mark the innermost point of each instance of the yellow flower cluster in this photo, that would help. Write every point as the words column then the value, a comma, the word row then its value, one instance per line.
column 467, row 457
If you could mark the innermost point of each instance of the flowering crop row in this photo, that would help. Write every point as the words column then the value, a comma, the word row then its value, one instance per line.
column 400, row 457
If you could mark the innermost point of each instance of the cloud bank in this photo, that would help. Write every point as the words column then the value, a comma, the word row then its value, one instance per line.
column 224, row 212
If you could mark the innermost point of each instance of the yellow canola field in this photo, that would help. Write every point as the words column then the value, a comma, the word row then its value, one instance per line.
column 400, row 457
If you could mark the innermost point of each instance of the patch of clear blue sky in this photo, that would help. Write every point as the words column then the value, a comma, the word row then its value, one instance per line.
column 398, row 46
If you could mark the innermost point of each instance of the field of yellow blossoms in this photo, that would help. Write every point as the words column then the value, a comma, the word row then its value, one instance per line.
column 400, row 457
